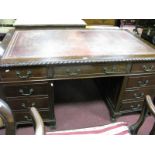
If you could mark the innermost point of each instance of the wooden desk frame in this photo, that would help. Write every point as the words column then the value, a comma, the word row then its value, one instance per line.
column 131, row 66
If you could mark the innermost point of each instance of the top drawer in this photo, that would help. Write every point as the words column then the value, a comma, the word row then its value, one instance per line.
column 86, row 70
column 23, row 73
column 141, row 81
column 143, row 67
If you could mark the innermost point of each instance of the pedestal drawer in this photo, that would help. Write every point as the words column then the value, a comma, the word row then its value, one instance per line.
column 133, row 106
column 141, row 81
column 23, row 73
column 26, row 117
column 30, row 89
column 25, row 103
column 138, row 94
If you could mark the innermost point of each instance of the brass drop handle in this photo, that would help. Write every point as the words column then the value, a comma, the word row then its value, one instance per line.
column 132, row 106
column 28, row 74
column 73, row 73
column 113, row 70
column 135, row 107
column 21, row 91
column 23, row 105
column 148, row 68
column 33, row 104
column 143, row 83
column 139, row 95
column 27, row 118
column 138, row 105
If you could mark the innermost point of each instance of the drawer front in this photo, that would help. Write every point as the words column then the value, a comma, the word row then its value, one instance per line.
column 131, row 106
column 119, row 68
column 143, row 67
column 30, row 89
column 26, row 117
column 79, row 70
column 24, row 73
column 24, row 104
column 86, row 70
column 138, row 94
column 141, row 81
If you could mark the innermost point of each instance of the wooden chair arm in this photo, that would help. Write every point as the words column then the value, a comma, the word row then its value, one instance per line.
column 150, row 105
column 151, row 108
column 7, row 118
column 147, row 106
column 38, row 122
column 1, row 123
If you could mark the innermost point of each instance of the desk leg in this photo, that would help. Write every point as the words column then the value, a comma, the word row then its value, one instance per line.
column 52, row 123
column 109, row 105
column 113, row 119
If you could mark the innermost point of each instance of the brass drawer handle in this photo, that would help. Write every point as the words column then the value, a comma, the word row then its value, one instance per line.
column 73, row 73
column 143, row 83
column 132, row 106
column 139, row 95
column 32, row 105
column 148, row 68
column 139, row 105
column 23, row 105
column 113, row 70
column 135, row 107
column 28, row 74
column 21, row 91
column 27, row 118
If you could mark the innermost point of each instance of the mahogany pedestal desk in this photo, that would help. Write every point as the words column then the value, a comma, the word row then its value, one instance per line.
column 34, row 59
